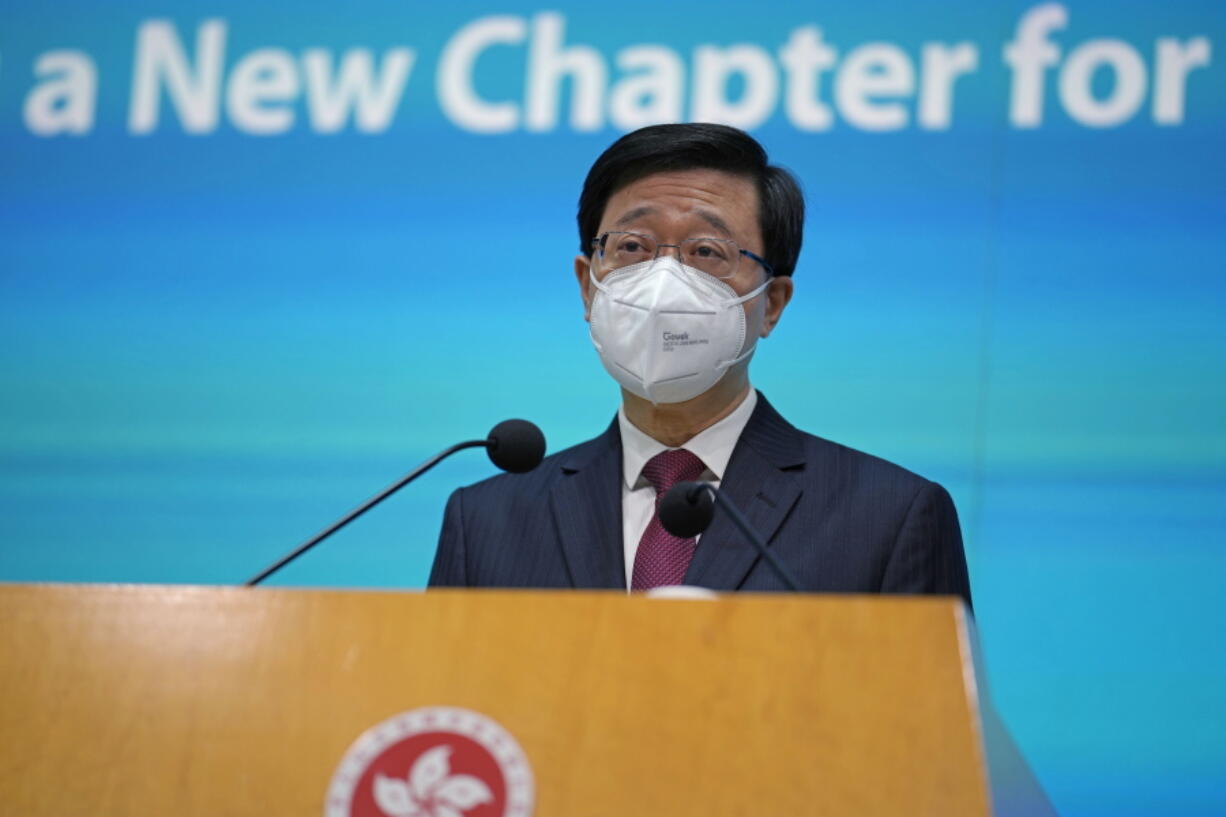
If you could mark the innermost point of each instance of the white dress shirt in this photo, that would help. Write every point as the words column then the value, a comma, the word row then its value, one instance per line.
column 712, row 445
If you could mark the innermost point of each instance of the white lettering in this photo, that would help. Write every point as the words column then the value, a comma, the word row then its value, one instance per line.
column 874, row 70
column 651, row 97
column 942, row 65
column 713, row 67
column 548, row 63
column 357, row 88
column 160, row 59
column 259, row 81
column 1175, row 60
column 804, row 58
column 454, row 81
column 877, row 86
column 65, row 98
column 1029, row 55
column 1127, row 94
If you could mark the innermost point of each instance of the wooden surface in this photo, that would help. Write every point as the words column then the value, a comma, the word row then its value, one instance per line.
column 147, row 700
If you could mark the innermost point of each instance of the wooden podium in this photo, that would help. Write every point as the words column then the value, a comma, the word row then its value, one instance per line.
column 154, row 700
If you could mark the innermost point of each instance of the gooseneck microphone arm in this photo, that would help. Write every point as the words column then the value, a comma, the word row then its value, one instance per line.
column 686, row 511
column 516, row 446
column 361, row 509
column 741, row 522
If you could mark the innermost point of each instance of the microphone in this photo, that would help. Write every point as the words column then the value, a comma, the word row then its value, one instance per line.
column 516, row 446
column 688, row 507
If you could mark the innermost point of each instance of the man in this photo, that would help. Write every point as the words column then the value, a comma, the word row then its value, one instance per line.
column 688, row 241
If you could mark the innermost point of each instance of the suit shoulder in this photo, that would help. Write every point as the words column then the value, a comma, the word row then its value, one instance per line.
column 824, row 461
column 858, row 465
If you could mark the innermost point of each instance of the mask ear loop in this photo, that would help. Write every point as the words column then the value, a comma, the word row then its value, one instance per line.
column 737, row 302
column 749, row 296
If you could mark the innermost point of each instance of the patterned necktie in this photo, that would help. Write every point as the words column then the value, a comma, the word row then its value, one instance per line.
column 662, row 558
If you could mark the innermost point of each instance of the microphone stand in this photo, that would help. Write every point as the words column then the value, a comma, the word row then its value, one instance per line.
column 361, row 509
column 742, row 523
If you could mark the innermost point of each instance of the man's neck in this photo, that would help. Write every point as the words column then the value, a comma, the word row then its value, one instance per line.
column 674, row 424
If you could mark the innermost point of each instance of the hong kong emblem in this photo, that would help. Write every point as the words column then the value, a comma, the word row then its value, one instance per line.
column 433, row 762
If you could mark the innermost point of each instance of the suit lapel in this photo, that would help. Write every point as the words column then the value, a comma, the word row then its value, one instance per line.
column 587, row 509
column 763, row 480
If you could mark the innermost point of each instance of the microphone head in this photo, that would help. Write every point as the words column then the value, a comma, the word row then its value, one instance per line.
column 686, row 509
column 516, row 446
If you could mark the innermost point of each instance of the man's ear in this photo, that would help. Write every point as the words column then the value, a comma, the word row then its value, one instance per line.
column 582, row 265
column 778, row 293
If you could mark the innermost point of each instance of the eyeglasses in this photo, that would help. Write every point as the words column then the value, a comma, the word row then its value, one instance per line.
column 719, row 257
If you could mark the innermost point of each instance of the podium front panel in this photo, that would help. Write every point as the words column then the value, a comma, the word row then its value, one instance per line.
column 207, row 701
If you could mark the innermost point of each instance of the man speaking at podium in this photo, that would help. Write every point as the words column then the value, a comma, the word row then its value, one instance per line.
column 688, row 240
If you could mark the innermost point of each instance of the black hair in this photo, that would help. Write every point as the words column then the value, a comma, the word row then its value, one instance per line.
column 693, row 146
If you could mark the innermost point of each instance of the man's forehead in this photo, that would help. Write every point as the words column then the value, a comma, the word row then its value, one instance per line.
column 715, row 220
column 723, row 200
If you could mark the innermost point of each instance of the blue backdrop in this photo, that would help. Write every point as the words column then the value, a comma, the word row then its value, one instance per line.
column 258, row 260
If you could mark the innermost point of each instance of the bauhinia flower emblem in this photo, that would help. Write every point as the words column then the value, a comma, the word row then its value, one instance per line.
column 430, row 789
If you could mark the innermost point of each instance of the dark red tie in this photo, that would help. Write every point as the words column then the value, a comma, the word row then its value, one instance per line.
column 662, row 558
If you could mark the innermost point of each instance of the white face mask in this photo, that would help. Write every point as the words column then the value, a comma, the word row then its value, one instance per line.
column 668, row 332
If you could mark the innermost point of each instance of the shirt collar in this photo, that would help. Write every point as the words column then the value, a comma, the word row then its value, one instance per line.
column 713, row 445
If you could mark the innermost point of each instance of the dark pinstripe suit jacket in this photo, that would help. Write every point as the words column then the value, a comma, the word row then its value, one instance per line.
column 843, row 521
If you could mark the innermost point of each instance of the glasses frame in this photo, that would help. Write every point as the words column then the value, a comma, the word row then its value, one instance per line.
column 598, row 245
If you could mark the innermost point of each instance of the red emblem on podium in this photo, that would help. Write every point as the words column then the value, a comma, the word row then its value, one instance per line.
column 433, row 762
